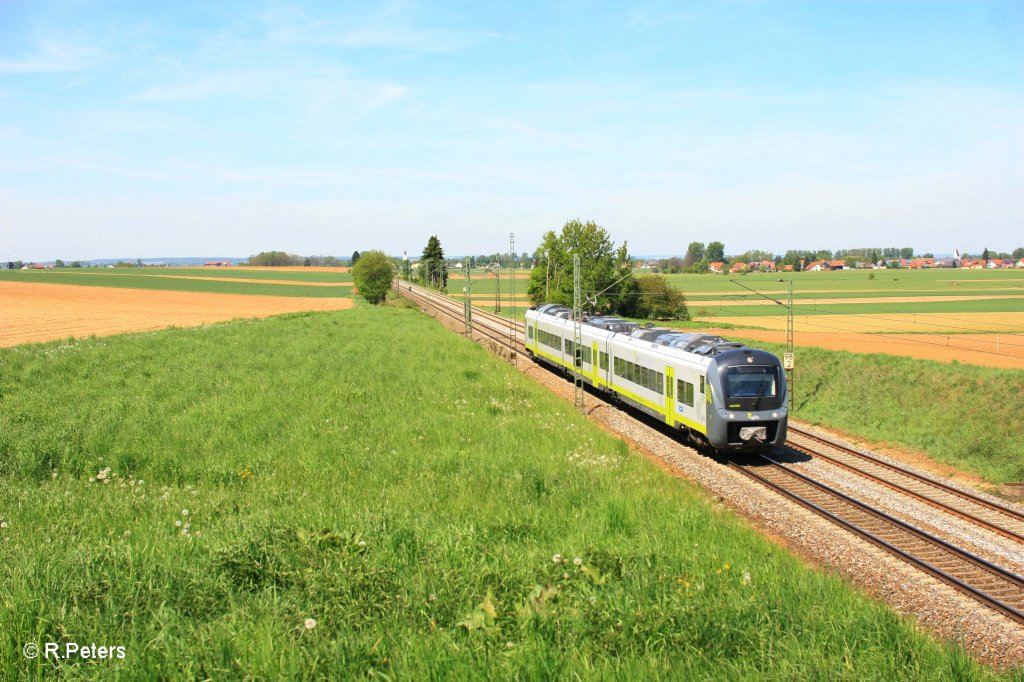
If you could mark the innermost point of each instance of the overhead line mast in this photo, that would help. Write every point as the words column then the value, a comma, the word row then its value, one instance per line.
column 577, row 337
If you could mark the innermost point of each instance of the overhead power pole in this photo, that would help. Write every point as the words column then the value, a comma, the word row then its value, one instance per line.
column 577, row 336
column 512, row 298
column 467, row 302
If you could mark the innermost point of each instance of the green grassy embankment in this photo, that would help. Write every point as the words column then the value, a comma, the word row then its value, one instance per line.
column 962, row 415
column 197, row 495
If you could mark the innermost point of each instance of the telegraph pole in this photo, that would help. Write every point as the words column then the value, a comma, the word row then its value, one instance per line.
column 788, row 359
column 467, row 307
column 577, row 336
column 512, row 298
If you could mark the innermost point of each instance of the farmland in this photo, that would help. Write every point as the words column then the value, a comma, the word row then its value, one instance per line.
column 45, row 305
column 232, row 501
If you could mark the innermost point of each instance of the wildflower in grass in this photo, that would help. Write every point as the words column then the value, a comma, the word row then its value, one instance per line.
column 3, row 524
column 178, row 523
column 565, row 576
column 362, row 544
column 727, row 567
column 577, row 561
column 557, row 559
column 746, row 577
column 310, row 623
column 184, row 512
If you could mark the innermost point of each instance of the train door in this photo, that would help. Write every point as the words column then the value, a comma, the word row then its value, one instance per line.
column 703, row 398
column 670, row 393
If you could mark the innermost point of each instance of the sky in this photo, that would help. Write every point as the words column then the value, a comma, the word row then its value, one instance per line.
column 144, row 129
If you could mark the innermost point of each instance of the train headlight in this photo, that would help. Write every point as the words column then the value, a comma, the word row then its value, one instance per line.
column 775, row 415
column 732, row 416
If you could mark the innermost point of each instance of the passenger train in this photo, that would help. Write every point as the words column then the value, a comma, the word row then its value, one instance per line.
column 718, row 392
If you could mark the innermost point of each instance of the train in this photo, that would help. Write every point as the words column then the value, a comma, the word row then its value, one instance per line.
column 717, row 393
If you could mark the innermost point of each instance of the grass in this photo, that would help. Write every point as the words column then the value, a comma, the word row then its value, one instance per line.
column 328, row 466
column 141, row 280
column 961, row 415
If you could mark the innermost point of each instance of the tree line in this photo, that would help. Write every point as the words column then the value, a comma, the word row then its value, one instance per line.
column 283, row 259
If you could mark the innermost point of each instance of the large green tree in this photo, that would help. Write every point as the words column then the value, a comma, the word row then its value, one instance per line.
column 715, row 252
column 605, row 269
column 372, row 275
column 433, row 270
column 694, row 254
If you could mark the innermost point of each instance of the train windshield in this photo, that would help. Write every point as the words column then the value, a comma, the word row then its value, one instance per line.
column 751, row 387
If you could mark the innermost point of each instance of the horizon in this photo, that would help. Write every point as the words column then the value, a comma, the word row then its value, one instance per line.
column 318, row 127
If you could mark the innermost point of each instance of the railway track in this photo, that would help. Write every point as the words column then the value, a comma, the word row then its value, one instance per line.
column 986, row 582
column 993, row 586
column 996, row 518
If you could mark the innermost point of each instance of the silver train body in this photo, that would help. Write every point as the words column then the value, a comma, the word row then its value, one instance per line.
column 719, row 393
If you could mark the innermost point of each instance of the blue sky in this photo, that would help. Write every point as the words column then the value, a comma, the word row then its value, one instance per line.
column 139, row 129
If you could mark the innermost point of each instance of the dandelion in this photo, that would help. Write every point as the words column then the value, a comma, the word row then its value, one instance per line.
column 565, row 576
column 577, row 561
column 178, row 523
column 557, row 559
column 746, row 577
column 310, row 623
column 727, row 567
column 3, row 524
column 592, row 599
column 362, row 544
column 509, row 645
column 184, row 512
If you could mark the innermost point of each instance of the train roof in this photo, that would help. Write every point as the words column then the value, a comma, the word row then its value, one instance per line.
column 690, row 342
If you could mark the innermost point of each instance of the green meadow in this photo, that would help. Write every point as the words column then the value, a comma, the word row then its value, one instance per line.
column 171, row 279
column 365, row 494
column 961, row 415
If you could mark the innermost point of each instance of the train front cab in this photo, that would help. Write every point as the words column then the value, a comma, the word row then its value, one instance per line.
column 747, row 395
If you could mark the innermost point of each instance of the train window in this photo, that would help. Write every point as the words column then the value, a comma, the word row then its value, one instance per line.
column 644, row 381
column 603, row 359
column 659, row 382
column 669, row 390
column 529, row 332
column 752, row 387
column 702, row 384
column 685, row 392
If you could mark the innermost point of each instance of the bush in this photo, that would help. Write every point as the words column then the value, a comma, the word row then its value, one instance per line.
column 372, row 275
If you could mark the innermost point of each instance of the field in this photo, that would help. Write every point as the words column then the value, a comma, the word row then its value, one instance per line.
column 363, row 494
column 48, row 304
column 971, row 316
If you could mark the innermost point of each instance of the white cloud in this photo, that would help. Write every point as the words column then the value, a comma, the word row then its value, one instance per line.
column 51, row 57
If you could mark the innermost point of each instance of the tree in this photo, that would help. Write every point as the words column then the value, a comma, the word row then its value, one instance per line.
column 1018, row 253
column 75, row 264
column 906, row 253
column 372, row 275
column 433, row 269
column 715, row 252
column 273, row 259
column 984, row 255
column 58, row 263
column 355, row 258
column 604, row 269
column 659, row 300
column 694, row 254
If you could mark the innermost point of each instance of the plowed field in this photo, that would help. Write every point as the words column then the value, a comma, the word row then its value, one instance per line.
column 43, row 312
